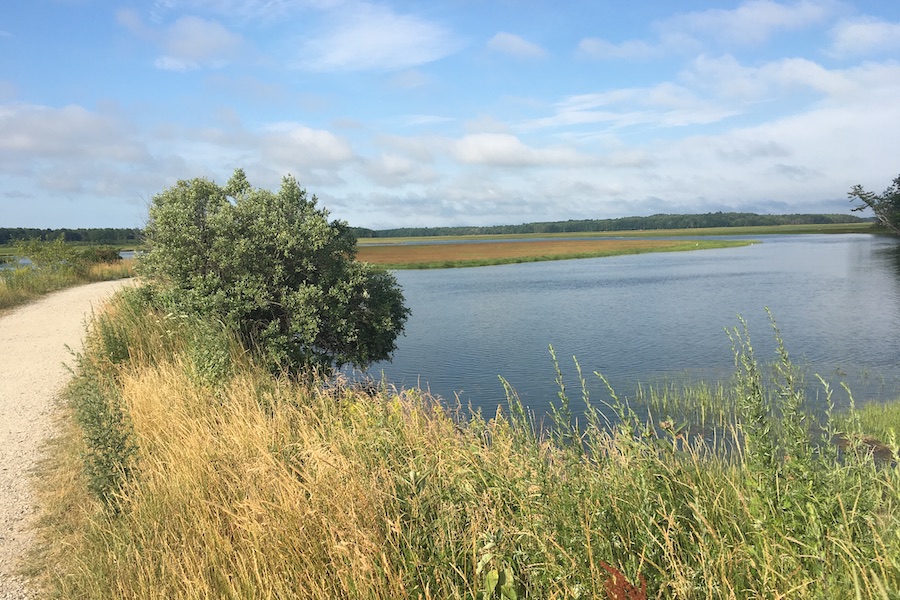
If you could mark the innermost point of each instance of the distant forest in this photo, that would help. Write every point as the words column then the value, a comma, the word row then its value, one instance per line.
column 99, row 235
column 109, row 235
column 662, row 221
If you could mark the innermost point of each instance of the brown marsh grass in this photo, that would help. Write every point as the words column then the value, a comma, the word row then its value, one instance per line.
column 472, row 253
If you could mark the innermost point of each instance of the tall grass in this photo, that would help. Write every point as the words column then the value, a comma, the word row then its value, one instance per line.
column 24, row 284
column 230, row 483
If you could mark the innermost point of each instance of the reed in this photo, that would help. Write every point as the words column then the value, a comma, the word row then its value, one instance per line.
column 246, row 485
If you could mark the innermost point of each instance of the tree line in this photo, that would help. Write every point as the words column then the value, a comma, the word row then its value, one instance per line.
column 91, row 235
column 119, row 236
column 659, row 221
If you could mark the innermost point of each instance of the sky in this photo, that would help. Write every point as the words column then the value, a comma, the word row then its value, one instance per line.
column 448, row 112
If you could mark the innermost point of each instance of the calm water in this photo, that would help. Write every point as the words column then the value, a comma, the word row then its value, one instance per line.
column 653, row 317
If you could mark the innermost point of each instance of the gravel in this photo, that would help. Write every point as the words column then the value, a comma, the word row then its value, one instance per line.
column 37, row 341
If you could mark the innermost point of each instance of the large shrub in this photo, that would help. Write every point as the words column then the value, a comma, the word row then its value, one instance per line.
column 271, row 266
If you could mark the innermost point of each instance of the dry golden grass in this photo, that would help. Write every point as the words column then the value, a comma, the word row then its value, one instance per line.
column 117, row 270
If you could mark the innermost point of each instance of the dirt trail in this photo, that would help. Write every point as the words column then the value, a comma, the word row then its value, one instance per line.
column 34, row 349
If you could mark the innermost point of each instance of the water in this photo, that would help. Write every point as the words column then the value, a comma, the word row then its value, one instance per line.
column 653, row 317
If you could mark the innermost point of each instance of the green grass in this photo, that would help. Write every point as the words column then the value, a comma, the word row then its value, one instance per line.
column 243, row 485
column 880, row 422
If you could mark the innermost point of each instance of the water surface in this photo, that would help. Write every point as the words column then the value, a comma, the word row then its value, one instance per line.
column 653, row 317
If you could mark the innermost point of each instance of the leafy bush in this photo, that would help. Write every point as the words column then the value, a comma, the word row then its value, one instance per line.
column 93, row 255
column 61, row 256
column 272, row 267
column 111, row 448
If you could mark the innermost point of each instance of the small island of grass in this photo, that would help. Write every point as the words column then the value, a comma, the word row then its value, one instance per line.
column 398, row 255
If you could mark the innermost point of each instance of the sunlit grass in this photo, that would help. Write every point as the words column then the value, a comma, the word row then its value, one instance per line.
column 24, row 284
column 880, row 424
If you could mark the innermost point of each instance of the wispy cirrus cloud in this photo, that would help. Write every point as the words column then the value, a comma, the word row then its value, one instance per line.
column 662, row 105
column 192, row 42
column 188, row 43
column 241, row 10
column 752, row 22
column 363, row 36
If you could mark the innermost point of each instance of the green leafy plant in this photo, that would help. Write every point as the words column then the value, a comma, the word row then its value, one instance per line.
column 272, row 267
column 109, row 459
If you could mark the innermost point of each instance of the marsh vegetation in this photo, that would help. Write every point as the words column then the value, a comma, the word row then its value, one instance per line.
column 53, row 266
column 208, row 450
column 478, row 254
column 209, row 477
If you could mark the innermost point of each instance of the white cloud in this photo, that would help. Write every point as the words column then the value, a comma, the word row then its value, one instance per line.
column 188, row 43
column 373, row 37
column 726, row 78
column 753, row 22
column 865, row 36
column 663, row 105
column 631, row 49
column 199, row 41
column 513, row 45
column 36, row 133
column 506, row 150
column 241, row 10
column 171, row 63
column 294, row 146
column 396, row 170
column 67, row 158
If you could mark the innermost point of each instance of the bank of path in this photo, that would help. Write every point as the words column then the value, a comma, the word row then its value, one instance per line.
column 36, row 344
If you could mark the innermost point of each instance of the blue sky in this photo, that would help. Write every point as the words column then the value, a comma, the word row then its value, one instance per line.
column 448, row 112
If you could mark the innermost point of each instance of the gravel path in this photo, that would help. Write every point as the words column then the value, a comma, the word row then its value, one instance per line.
column 34, row 342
